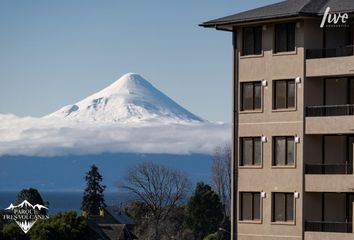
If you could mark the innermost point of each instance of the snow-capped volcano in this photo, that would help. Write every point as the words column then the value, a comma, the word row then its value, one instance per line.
column 130, row 99
column 129, row 116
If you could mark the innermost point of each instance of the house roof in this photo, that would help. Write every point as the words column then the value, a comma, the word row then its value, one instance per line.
column 114, row 215
column 289, row 8
column 112, row 231
column 119, row 215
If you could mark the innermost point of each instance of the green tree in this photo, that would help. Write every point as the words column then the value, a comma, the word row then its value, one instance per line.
column 224, row 233
column 31, row 195
column 205, row 211
column 213, row 236
column 93, row 198
column 65, row 225
column 13, row 232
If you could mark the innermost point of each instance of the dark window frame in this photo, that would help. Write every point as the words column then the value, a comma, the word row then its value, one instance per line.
column 287, row 27
column 241, row 162
column 242, row 102
column 286, row 160
column 254, row 219
column 286, row 194
column 287, row 83
column 254, row 33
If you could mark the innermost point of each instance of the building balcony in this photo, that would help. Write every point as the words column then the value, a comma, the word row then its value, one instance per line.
column 335, row 227
column 329, row 163
column 329, row 182
column 329, row 52
column 329, row 178
column 330, row 119
column 329, row 169
column 328, row 216
column 330, row 62
column 327, row 236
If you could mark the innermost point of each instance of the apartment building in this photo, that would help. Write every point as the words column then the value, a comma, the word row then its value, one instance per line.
column 293, row 121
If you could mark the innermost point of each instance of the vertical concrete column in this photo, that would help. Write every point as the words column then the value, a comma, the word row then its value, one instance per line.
column 352, row 159
column 352, row 219
column 234, row 162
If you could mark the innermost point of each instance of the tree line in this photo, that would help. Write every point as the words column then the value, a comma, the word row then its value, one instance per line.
column 168, row 208
column 166, row 205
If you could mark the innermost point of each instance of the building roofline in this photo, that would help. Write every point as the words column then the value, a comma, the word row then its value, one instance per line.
column 305, row 8
column 215, row 24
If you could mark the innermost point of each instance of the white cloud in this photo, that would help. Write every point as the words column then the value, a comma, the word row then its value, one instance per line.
column 43, row 137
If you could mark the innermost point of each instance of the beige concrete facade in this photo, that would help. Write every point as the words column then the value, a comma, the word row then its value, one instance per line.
column 325, row 67
column 329, row 183
column 327, row 236
column 311, row 204
column 330, row 125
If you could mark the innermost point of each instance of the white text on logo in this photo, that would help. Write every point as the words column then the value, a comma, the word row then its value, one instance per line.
column 334, row 18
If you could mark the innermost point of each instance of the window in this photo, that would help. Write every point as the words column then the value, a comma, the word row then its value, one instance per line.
column 250, row 206
column 283, row 207
column 284, row 94
column 284, row 151
column 251, row 151
column 284, row 37
column 252, row 40
column 251, row 96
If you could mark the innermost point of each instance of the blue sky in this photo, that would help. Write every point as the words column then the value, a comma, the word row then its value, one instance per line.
column 53, row 53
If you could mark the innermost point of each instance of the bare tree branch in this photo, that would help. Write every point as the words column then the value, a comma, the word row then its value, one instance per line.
column 159, row 187
column 221, row 175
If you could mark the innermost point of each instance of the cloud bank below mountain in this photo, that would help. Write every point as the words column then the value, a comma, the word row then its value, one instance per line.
column 42, row 137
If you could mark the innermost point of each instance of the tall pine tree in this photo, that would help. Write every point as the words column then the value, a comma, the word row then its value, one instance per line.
column 204, row 211
column 93, row 198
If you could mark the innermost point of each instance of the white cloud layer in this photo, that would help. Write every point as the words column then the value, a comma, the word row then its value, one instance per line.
column 43, row 137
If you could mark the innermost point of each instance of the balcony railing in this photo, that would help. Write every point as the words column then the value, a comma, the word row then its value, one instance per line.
column 330, row 110
column 329, row 52
column 337, row 227
column 329, row 169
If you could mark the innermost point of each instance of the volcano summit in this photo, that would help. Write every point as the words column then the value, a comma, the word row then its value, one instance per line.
column 130, row 99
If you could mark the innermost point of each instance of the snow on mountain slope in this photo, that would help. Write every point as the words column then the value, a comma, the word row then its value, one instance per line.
column 130, row 99
column 129, row 116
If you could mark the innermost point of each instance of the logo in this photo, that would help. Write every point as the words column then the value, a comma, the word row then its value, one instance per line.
column 331, row 19
column 25, row 214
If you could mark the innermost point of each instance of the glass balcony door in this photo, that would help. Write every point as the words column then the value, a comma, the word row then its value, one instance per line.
column 336, row 91
column 337, row 37
column 338, row 41
column 338, row 154
column 335, row 207
column 338, row 97
column 334, row 213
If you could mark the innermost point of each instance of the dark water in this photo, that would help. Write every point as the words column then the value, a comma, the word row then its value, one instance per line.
column 66, row 173
column 64, row 201
column 60, row 180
